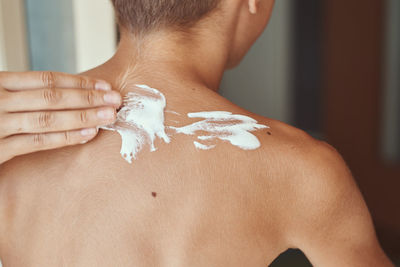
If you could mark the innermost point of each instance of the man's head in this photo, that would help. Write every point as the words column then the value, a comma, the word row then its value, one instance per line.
column 241, row 21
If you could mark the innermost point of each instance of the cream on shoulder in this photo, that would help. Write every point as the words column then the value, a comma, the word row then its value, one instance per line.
column 141, row 120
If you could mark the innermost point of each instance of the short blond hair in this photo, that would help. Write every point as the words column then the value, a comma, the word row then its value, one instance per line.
column 141, row 16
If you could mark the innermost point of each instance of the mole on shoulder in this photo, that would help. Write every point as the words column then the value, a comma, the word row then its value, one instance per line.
column 154, row 194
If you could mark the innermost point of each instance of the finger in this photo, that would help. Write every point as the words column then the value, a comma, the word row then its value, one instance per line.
column 57, row 121
column 47, row 79
column 28, row 143
column 58, row 99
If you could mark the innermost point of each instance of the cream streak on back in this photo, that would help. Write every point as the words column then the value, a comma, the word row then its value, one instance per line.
column 225, row 126
column 141, row 120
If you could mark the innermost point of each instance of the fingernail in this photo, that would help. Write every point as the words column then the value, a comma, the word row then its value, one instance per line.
column 89, row 132
column 112, row 98
column 105, row 114
column 102, row 85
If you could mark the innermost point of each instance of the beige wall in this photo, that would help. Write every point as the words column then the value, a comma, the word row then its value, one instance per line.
column 3, row 64
column 13, row 46
column 95, row 32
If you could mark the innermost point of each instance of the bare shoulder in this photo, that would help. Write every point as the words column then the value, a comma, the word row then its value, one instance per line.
column 309, row 171
column 309, row 159
column 323, row 211
column 316, row 178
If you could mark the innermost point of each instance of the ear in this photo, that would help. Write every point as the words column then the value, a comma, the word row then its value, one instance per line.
column 253, row 6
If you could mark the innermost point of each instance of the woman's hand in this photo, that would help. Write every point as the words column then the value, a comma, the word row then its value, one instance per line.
column 47, row 110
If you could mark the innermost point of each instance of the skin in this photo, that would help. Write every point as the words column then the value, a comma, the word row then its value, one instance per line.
column 47, row 110
column 178, row 206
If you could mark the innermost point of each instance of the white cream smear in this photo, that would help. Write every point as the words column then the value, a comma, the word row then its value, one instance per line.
column 224, row 126
column 141, row 120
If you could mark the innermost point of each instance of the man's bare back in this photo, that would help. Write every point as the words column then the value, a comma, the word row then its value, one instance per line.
column 180, row 205
column 177, row 206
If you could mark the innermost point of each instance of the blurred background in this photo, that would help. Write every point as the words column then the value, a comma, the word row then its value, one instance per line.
column 329, row 67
